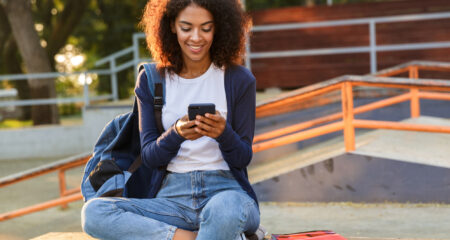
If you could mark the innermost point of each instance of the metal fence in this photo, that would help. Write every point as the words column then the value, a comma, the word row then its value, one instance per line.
column 372, row 48
column 133, row 50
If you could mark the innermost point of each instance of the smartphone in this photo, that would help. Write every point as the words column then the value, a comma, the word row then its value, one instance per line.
column 200, row 109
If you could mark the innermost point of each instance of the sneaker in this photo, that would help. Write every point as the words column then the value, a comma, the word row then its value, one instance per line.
column 258, row 235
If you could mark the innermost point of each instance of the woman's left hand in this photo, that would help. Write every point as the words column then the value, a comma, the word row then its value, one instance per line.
column 211, row 125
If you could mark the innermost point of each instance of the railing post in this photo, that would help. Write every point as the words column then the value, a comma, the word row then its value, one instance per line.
column 86, row 90
column 135, row 54
column 248, row 63
column 347, row 113
column 415, row 100
column 373, row 47
column 114, row 91
column 62, row 186
column 248, row 60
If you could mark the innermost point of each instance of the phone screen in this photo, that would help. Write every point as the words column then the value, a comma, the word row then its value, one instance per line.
column 200, row 109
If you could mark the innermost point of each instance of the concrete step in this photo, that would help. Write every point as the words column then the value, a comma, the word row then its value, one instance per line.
column 64, row 236
column 388, row 165
column 426, row 148
column 414, row 147
column 83, row 236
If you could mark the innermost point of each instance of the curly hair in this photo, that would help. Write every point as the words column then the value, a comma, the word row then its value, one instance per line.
column 231, row 24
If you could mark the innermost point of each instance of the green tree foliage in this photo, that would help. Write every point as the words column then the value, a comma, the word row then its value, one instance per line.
column 40, row 29
column 97, row 28
column 106, row 28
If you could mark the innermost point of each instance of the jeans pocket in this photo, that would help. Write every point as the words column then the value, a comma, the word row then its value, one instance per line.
column 226, row 174
column 164, row 181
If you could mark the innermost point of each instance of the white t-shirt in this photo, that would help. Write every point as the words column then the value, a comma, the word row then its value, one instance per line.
column 203, row 153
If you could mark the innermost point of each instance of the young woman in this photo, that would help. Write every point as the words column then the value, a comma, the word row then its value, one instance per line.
column 205, row 193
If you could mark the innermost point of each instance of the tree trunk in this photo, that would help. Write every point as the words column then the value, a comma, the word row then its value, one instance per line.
column 35, row 58
column 11, row 63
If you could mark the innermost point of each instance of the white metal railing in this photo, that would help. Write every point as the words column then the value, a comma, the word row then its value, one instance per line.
column 372, row 48
column 86, row 99
column 37, row 76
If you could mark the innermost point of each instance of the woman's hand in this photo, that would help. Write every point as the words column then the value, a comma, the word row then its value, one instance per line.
column 211, row 125
column 185, row 128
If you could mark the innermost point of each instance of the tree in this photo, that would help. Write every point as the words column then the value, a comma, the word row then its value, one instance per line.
column 108, row 27
column 10, row 61
column 57, row 28
column 35, row 58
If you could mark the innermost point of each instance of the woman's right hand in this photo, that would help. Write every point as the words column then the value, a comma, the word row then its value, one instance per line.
column 185, row 128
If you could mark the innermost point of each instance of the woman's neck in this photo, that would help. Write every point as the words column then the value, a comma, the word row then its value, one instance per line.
column 195, row 69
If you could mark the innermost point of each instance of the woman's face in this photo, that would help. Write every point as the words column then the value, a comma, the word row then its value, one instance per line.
column 194, row 27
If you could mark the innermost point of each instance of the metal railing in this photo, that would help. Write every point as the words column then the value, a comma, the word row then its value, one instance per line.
column 37, row 76
column 372, row 48
column 86, row 99
column 66, row 196
column 344, row 120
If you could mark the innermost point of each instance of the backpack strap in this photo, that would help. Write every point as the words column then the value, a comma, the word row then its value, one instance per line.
column 156, row 86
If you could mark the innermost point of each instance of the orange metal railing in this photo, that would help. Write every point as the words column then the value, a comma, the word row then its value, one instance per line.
column 66, row 195
column 344, row 120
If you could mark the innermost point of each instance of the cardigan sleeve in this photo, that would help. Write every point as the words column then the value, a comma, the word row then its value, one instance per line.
column 236, row 140
column 156, row 150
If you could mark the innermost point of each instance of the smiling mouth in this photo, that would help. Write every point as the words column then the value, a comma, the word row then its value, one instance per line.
column 195, row 49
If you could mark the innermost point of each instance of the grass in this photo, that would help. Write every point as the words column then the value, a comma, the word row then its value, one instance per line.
column 14, row 123
column 11, row 124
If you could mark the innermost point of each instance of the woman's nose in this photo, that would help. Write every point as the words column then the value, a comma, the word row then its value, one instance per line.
column 195, row 35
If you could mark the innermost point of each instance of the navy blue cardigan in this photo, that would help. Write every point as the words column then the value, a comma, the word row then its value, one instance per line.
column 235, row 143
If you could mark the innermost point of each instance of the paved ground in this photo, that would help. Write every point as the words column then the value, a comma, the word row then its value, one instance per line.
column 388, row 220
column 350, row 220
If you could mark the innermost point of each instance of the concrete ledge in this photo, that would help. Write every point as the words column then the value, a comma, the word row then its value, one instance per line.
column 64, row 236
column 363, row 238
column 57, row 141
column 84, row 236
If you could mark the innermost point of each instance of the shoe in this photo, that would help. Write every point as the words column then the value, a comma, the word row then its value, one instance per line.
column 258, row 235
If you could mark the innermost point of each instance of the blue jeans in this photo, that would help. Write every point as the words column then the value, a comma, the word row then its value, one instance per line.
column 210, row 202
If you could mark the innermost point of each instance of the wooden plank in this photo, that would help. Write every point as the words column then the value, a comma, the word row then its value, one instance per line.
column 64, row 236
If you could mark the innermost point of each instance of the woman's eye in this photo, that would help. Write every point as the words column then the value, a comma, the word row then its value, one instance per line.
column 185, row 29
column 207, row 30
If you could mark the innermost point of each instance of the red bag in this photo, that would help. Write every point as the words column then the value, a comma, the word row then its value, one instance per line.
column 312, row 235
